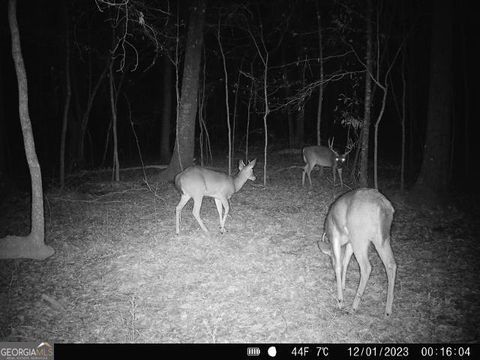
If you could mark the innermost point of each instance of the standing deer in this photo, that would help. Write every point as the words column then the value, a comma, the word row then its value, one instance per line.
column 324, row 156
column 196, row 182
column 354, row 220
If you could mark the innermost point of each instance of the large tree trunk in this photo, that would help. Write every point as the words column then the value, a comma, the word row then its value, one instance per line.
column 368, row 101
column 166, row 110
column 434, row 173
column 183, row 152
column 31, row 246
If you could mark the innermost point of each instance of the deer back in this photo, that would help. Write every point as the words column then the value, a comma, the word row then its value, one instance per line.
column 196, row 181
column 319, row 155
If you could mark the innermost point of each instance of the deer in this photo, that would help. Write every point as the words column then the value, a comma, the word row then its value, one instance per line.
column 196, row 182
column 324, row 156
column 356, row 219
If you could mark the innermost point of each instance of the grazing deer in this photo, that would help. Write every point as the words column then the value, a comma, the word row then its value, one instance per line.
column 196, row 182
column 324, row 156
column 354, row 220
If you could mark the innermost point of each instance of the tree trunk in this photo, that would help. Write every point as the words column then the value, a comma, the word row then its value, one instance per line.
column 377, row 123
column 300, row 118
column 166, row 110
column 185, row 143
column 227, row 105
column 86, row 116
column 368, row 101
column 403, row 121
column 265, row 115
column 466, row 103
column 320, row 88
column 235, row 109
column 73, row 129
column 113, row 107
column 288, row 111
column 33, row 245
column 3, row 138
column 68, row 92
column 434, row 173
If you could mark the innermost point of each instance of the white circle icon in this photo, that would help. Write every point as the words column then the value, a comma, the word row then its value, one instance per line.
column 272, row 351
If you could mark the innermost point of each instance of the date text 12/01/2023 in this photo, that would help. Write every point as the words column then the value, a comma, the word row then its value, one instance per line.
column 400, row 351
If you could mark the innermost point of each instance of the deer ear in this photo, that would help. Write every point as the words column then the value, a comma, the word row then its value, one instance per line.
column 252, row 163
column 241, row 165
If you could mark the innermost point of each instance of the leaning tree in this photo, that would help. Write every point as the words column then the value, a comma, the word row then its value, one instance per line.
column 33, row 245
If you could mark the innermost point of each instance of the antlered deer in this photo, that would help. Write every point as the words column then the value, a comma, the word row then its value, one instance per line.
column 354, row 220
column 324, row 156
column 196, row 182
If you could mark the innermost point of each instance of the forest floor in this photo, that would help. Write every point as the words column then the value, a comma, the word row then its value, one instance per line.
column 121, row 274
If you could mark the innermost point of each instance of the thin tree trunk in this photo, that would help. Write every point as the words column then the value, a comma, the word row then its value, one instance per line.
column 205, row 145
column 68, row 92
column 403, row 120
column 86, row 118
column 73, row 129
column 235, row 102
column 227, row 106
column 368, row 100
column 33, row 245
column 291, row 128
column 113, row 107
column 107, row 142
column 201, row 99
column 166, row 110
column 300, row 118
column 377, row 123
column 412, row 127
column 265, row 116
column 107, row 136
column 322, row 75
column 466, row 103
column 451, row 162
column 247, row 131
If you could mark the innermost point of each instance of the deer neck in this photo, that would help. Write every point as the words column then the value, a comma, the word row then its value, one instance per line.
column 239, row 181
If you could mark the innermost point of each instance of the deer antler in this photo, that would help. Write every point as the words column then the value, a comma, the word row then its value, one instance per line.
column 330, row 143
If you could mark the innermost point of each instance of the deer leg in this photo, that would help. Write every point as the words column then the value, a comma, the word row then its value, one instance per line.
column 361, row 254
column 337, row 256
column 303, row 174
column 218, row 203
column 178, row 211
column 346, row 260
column 339, row 170
column 308, row 171
column 196, row 212
column 385, row 252
column 226, row 206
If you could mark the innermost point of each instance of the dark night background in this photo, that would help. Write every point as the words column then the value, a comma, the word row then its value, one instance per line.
column 42, row 30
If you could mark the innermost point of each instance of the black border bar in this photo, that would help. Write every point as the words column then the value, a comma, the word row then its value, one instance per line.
column 268, row 351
